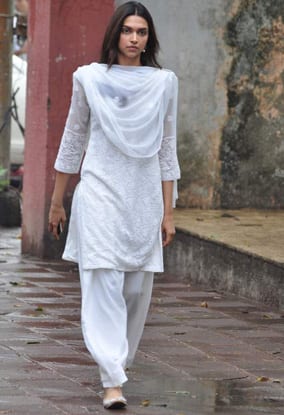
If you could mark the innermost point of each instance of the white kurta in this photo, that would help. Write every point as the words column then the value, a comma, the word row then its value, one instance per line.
column 117, row 206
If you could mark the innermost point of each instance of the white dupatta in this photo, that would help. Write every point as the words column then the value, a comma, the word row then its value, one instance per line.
column 130, row 103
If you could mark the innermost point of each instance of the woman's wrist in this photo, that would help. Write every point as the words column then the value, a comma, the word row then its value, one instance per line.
column 169, row 215
column 56, row 204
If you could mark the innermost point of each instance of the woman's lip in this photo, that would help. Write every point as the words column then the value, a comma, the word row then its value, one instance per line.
column 132, row 47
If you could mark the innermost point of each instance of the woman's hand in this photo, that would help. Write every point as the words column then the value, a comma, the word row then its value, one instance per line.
column 57, row 217
column 168, row 229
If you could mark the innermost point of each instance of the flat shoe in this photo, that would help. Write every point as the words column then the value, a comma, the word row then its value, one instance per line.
column 115, row 403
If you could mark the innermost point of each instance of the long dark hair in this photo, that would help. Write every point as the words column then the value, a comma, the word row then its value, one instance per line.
column 109, row 53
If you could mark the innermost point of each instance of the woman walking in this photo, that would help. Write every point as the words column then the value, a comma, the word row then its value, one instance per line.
column 122, row 209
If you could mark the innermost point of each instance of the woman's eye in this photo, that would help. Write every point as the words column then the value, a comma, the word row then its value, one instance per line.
column 142, row 32
column 124, row 30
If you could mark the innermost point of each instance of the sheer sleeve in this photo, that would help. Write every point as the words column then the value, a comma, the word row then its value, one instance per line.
column 75, row 135
column 168, row 153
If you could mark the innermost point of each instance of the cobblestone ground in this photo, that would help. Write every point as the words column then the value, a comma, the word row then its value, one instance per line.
column 202, row 352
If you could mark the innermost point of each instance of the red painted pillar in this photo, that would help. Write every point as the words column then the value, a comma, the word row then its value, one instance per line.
column 63, row 34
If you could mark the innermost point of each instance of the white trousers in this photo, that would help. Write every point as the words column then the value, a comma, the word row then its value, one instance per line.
column 113, row 313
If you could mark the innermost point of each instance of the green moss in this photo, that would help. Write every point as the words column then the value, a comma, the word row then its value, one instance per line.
column 4, row 182
column 250, row 144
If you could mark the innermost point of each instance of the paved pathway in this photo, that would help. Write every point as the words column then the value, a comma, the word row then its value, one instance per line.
column 202, row 352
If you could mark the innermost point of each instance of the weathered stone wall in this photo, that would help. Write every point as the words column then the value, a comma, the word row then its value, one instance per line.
column 252, row 145
column 228, row 56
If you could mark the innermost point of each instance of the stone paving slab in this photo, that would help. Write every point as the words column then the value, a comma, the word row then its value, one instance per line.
column 202, row 352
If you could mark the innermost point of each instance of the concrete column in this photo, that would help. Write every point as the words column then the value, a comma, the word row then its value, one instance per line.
column 6, row 27
column 63, row 34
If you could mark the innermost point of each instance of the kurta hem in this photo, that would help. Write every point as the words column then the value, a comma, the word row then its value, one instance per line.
column 104, row 265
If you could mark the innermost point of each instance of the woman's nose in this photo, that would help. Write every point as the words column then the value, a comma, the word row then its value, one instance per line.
column 134, row 37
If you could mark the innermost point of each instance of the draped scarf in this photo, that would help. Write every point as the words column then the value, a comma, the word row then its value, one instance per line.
column 130, row 104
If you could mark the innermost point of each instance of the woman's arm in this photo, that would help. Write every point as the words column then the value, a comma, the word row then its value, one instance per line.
column 57, row 213
column 169, row 166
column 70, row 154
column 168, row 227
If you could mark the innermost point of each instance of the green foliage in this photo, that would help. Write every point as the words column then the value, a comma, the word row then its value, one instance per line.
column 4, row 182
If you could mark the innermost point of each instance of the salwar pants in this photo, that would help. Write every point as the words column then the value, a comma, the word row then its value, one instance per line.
column 113, row 313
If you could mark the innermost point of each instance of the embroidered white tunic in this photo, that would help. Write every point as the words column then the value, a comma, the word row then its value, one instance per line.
column 124, row 120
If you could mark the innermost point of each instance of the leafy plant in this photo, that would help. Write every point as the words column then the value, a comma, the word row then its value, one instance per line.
column 4, row 182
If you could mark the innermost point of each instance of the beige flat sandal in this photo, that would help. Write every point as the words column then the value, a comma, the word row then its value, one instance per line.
column 115, row 403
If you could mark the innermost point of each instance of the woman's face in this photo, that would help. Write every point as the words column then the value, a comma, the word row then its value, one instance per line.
column 133, row 40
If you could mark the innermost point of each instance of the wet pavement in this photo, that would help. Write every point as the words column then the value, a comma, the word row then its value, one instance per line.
column 202, row 352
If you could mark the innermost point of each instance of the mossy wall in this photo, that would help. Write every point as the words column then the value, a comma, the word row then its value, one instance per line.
column 252, row 144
